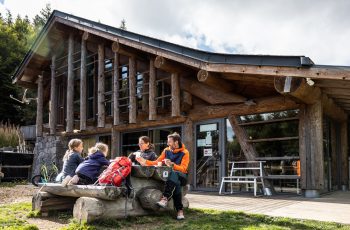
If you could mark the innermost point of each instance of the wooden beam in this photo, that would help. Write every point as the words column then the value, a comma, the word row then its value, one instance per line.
column 311, row 147
column 101, row 87
column 214, row 80
column 70, row 85
column 175, row 95
column 270, row 104
column 168, row 65
column 145, row 124
column 121, row 49
column 297, row 88
column 249, row 78
column 53, row 98
column 152, row 92
column 186, row 103
column 132, row 90
column 116, row 77
column 335, row 91
column 26, row 84
column 208, row 94
column 332, row 110
column 39, row 107
column 83, row 82
column 326, row 83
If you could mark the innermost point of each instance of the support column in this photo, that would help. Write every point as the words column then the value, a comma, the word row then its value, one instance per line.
column 175, row 95
column 189, row 143
column 145, row 90
column 311, row 149
column 101, row 87
column 83, row 85
column 116, row 77
column 53, row 97
column 132, row 90
column 115, row 144
column 152, row 114
column 344, row 155
column 39, row 107
column 70, row 86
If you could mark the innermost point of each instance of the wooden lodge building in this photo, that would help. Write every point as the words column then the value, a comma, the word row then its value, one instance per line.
column 100, row 83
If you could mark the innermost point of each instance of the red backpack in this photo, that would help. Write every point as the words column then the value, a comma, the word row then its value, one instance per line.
column 116, row 172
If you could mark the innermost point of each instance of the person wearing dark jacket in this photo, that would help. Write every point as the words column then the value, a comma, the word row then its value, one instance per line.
column 89, row 170
column 71, row 159
column 146, row 151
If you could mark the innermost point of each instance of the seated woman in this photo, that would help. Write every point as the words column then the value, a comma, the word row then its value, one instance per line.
column 71, row 159
column 89, row 170
column 146, row 151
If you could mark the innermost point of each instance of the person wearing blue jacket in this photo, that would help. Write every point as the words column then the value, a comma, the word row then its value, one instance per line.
column 89, row 170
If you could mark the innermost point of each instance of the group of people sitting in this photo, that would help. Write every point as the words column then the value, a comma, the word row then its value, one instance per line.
column 77, row 170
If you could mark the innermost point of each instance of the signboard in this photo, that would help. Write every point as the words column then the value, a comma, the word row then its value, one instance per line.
column 209, row 127
column 208, row 152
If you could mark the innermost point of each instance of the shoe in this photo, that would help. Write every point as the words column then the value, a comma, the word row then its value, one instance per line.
column 74, row 180
column 180, row 215
column 163, row 202
column 66, row 180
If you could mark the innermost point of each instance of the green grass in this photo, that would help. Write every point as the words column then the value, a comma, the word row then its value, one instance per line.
column 13, row 184
column 14, row 216
column 209, row 219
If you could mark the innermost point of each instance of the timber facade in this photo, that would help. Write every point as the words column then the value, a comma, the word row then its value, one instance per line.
column 100, row 83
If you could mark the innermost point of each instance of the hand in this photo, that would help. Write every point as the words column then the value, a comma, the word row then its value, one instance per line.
column 168, row 163
column 141, row 160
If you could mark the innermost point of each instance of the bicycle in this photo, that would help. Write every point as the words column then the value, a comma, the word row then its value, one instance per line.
column 47, row 174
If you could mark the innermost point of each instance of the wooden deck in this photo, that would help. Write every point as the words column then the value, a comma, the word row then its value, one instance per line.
column 333, row 207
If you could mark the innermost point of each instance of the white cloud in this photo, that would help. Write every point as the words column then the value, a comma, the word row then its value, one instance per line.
column 317, row 29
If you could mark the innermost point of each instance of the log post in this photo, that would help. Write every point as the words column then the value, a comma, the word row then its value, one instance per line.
column 214, row 80
column 152, row 92
column 248, row 148
column 45, row 202
column 70, row 86
column 145, row 90
column 149, row 198
column 344, row 155
column 115, row 144
column 101, row 87
column 53, row 97
column 83, row 83
column 311, row 149
column 39, row 107
column 132, row 90
column 116, row 77
column 175, row 95
column 188, row 140
column 186, row 103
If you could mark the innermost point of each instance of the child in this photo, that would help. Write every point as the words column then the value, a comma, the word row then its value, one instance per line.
column 89, row 170
column 72, row 158
column 146, row 151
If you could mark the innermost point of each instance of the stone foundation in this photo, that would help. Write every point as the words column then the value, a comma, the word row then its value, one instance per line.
column 48, row 150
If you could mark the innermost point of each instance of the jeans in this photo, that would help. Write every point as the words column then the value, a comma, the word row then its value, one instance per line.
column 173, row 188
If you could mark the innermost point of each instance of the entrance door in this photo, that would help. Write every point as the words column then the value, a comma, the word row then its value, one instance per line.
column 208, row 155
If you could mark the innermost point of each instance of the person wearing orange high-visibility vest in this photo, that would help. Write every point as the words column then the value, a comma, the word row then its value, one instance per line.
column 177, row 157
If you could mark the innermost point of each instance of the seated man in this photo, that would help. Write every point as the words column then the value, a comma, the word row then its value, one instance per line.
column 177, row 157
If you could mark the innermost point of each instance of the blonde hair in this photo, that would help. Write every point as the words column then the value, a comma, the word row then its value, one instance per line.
column 99, row 146
column 72, row 144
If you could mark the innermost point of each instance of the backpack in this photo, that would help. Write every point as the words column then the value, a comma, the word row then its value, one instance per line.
column 116, row 172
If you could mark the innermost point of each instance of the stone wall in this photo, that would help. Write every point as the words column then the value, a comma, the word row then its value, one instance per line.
column 48, row 150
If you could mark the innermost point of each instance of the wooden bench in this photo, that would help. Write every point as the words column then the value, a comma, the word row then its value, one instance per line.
column 251, row 172
column 29, row 167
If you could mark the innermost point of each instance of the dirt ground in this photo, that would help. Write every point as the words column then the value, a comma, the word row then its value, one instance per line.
column 24, row 193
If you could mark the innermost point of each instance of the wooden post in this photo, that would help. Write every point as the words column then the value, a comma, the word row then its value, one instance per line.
column 311, row 149
column 53, row 97
column 186, row 103
column 152, row 91
column 116, row 77
column 145, row 90
column 335, row 170
column 344, row 155
column 132, row 90
column 248, row 148
column 39, row 107
column 70, row 86
column 188, row 140
column 83, row 84
column 115, row 144
column 101, row 87
column 175, row 95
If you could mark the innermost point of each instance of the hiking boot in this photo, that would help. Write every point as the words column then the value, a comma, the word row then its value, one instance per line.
column 163, row 202
column 66, row 180
column 74, row 180
column 180, row 215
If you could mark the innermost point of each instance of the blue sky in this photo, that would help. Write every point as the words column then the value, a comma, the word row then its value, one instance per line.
column 317, row 29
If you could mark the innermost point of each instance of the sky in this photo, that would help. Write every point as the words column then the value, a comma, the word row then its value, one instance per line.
column 319, row 29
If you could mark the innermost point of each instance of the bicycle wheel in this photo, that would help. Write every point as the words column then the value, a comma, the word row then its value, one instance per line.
column 37, row 179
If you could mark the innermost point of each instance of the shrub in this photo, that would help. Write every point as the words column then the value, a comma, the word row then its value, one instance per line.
column 10, row 135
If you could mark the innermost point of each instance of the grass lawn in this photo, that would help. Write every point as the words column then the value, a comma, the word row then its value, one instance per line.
column 14, row 216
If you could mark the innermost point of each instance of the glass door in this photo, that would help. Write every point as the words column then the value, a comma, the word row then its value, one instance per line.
column 208, row 155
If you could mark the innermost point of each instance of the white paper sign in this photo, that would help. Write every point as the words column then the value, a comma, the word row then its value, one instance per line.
column 201, row 142
column 209, row 127
column 208, row 139
column 208, row 152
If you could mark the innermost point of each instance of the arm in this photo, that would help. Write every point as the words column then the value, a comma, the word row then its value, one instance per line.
column 160, row 158
column 104, row 161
